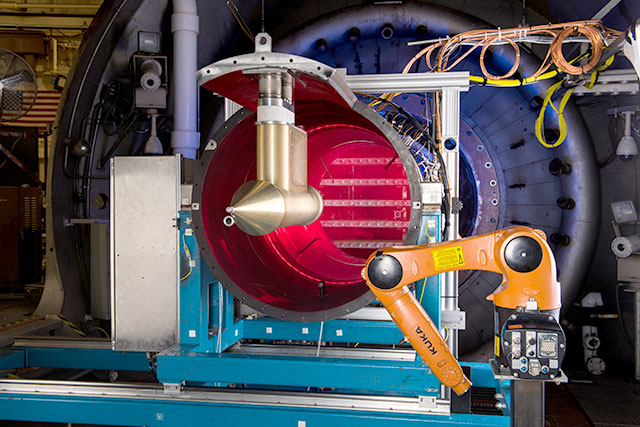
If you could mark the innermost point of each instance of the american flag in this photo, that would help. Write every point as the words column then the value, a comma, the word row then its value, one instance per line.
column 42, row 113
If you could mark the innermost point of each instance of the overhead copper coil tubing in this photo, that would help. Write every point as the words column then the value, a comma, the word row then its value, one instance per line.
column 596, row 33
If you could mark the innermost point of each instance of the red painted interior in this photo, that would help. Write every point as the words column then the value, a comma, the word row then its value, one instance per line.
column 283, row 269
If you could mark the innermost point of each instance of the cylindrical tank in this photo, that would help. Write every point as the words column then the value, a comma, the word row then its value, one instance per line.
column 506, row 176
column 369, row 183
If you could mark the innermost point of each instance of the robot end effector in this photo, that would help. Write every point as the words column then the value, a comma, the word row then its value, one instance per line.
column 519, row 253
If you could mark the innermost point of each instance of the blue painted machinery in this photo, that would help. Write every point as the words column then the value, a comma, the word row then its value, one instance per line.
column 222, row 359
column 212, row 378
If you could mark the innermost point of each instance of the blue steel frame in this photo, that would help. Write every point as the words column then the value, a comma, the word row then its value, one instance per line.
column 49, row 407
column 152, row 412
column 201, row 311
column 208, row 327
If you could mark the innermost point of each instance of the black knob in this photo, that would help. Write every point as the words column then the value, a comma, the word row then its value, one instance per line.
column 384, row 271
column 523, row 254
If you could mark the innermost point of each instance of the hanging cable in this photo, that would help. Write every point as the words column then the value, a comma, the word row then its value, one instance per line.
column 187, row 252
column 595, row 33
column 562, row 125
column 446, row 329
column 98, row 328
column 236, row 14
column 424, row 285
column 555, row 35
column 595, row 41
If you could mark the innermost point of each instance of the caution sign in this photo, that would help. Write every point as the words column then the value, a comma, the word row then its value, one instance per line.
column 448, row 258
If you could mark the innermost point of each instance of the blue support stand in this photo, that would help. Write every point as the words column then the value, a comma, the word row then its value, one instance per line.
column 208, row 327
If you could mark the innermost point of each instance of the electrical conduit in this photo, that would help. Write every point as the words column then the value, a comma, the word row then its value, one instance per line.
column 185, row 26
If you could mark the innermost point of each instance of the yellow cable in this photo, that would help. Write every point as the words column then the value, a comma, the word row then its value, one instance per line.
column 562, row 125
column 188, row 254
column 532, row 79
column 594, row 75
column 71, row 325
column 527, row 80
column 424, row 285
column 514, row 82
column 187, row 275
column 446, row 336
column 106, row 334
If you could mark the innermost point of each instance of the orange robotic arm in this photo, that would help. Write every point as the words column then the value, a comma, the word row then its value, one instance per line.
column 520, row 254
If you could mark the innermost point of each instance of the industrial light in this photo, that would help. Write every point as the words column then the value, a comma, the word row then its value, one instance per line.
column 149, row 42
column 627, row 147
column 624, row 212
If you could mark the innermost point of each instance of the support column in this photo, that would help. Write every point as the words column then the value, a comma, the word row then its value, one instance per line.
column 450, row 125
column 527, row 403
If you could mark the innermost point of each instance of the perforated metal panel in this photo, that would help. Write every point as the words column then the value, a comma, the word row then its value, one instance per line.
column 609, row 402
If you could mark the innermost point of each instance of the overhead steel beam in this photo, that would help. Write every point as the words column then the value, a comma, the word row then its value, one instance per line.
column 48, row 6
column 604, row 11
column 413, row 82
column 612, row 82
column 45, row 22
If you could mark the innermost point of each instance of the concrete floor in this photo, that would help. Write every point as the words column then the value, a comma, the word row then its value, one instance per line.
column 13, row 310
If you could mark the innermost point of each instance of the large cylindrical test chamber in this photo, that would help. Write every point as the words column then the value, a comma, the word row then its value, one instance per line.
column 358, row 162
column 367, row 177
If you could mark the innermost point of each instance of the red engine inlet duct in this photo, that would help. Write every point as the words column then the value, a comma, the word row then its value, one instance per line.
column 368, row 182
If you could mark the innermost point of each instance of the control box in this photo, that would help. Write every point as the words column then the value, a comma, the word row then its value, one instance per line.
column 533, row 345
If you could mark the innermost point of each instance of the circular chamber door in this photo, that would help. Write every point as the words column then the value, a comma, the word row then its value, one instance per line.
column 369, row 183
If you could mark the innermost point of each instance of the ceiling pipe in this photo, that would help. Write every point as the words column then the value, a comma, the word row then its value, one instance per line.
column 185, row 26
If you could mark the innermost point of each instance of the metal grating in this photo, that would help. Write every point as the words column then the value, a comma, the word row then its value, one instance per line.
column 609, row 402
column 483, row 401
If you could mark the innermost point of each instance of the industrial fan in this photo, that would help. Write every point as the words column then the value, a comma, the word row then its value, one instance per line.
column 18, row 86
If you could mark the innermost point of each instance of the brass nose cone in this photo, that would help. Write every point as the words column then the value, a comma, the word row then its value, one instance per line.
column 258, row 207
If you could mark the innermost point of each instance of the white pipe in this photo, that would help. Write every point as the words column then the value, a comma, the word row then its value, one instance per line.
column 185, row 26
column 627, row 122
